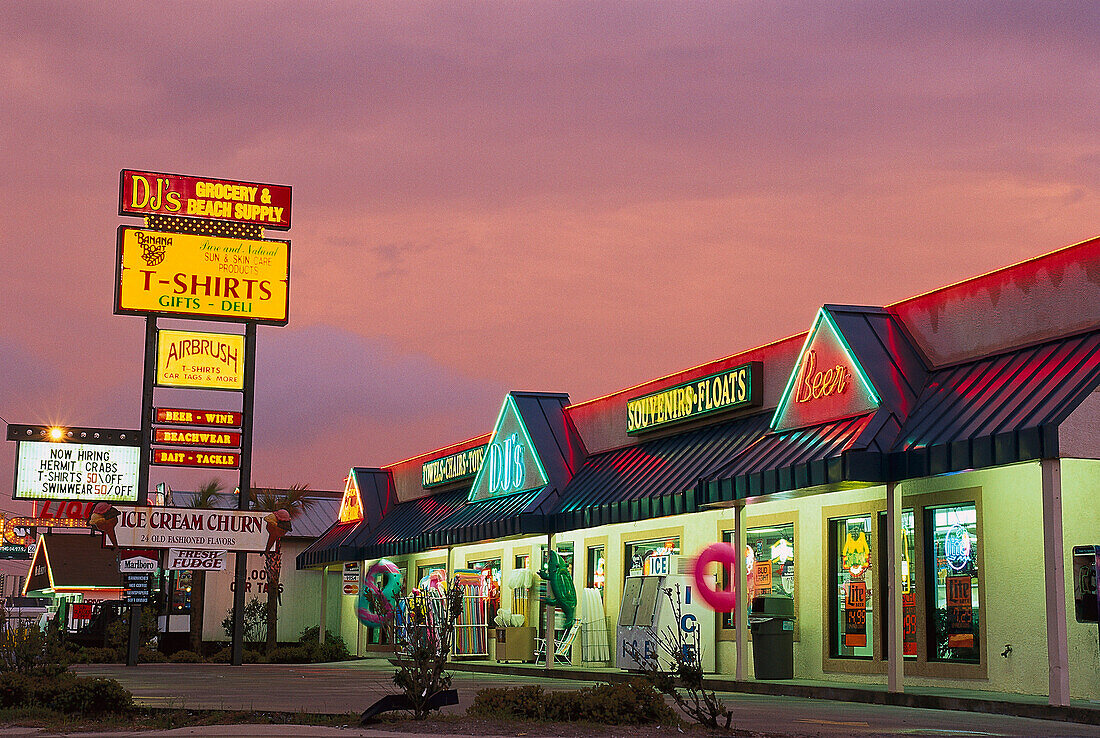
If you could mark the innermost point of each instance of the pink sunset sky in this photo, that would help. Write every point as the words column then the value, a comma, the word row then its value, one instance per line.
column 569, row 197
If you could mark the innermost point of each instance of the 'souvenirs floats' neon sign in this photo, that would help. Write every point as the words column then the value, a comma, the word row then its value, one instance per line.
column 733, row 388
column 506, row 469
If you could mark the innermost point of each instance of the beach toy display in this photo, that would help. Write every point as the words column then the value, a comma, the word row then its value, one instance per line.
column 376, row 602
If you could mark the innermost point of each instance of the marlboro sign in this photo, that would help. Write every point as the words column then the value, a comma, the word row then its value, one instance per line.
column 131, row 561
column 152, row 527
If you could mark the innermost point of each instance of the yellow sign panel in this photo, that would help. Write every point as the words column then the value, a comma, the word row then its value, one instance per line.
column 202, row 276
column 207, row 360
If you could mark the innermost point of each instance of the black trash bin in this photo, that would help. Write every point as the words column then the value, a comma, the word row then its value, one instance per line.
column 771, row 621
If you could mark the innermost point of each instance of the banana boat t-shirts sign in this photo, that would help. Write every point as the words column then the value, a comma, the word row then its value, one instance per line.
column 168, row 527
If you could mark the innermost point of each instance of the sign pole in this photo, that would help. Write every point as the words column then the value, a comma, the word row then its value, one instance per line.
column 244, row 487
column 143, row 463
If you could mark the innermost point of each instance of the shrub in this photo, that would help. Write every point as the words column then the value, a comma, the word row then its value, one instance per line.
column 333, row 649
column 225, row 655
column 95, row 655
column 631, row 703
column 151, row 656
column 185, row 657
column 289, row 655
column 93, row 696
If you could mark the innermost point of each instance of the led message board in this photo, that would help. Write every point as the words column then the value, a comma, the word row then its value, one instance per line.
column 155, row 193
column 202, row 360
column 461, row 465
column 190, row 416
column 203, row 277
column 46, row 470
column 733, row 388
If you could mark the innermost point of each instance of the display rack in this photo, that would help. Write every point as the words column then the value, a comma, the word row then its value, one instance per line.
column 472, row 626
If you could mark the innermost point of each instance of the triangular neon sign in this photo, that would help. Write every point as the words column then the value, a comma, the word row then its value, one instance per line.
column 827, row 382
column 511, row 464
column 351, row 506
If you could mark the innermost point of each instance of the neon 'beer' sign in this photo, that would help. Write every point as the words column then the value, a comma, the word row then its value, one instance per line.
column 813, row 384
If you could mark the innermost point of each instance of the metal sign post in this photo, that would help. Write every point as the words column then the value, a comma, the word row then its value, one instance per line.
column 143, row 463
column 245, row 487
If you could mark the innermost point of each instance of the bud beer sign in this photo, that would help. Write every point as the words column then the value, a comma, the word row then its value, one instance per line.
column 153, row 527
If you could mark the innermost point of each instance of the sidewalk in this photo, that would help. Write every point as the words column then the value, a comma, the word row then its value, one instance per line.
column 935, row 698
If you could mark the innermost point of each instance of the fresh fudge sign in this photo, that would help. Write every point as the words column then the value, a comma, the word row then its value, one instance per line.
column 158, row 527
column 194, row 560
column 76, row 471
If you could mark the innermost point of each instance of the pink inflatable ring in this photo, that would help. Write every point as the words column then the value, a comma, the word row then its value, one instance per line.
column 724, row 600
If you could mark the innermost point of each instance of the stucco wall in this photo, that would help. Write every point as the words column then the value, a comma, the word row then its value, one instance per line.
column 301, row 589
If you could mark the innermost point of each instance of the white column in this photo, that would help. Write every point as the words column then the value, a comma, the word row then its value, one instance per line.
column 1055, row 568
column 741, row 615
column 321, row 631
column 895, row 665
column 551, row 612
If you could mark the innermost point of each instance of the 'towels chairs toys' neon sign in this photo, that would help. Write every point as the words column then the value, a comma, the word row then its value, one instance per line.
column 505, row 463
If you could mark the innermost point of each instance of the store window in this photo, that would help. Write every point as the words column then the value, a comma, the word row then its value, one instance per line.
column 952, row 534
column 565, row 550
column 179, row 588
column 639, row 554
column 851, row 603
column 489, row 569
column 908, row 584
column 430, row 577
column 595, row 576
column 769, row 563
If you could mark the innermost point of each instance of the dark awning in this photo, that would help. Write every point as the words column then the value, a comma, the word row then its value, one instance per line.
column 651, row 479
column 402, row 529
column 330, row 548
column 829, row 453
column 485, row 520
column 997, row 410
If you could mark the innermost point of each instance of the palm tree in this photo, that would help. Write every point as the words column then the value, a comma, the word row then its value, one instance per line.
column 206, row 497
column 284, row 505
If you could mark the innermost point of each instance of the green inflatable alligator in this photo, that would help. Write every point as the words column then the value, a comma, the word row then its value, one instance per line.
column 561, row 592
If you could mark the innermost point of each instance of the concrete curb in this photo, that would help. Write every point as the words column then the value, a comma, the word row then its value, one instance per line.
column 1034, row 710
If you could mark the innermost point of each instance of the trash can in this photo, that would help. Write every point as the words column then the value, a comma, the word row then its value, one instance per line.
column 771, row 621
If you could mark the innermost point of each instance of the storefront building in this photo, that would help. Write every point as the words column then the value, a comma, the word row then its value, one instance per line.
column 913, row 477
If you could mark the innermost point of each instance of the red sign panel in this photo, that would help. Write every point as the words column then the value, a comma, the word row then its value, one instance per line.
column 155, row 193
column 217, row 438
column 960, row 612
column 215, row 459
column 185, row 416
column 855, row 615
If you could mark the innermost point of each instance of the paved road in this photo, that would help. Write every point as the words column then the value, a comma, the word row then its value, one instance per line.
column 351, row 687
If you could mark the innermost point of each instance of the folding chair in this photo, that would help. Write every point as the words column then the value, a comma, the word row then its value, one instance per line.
column 561, row 646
